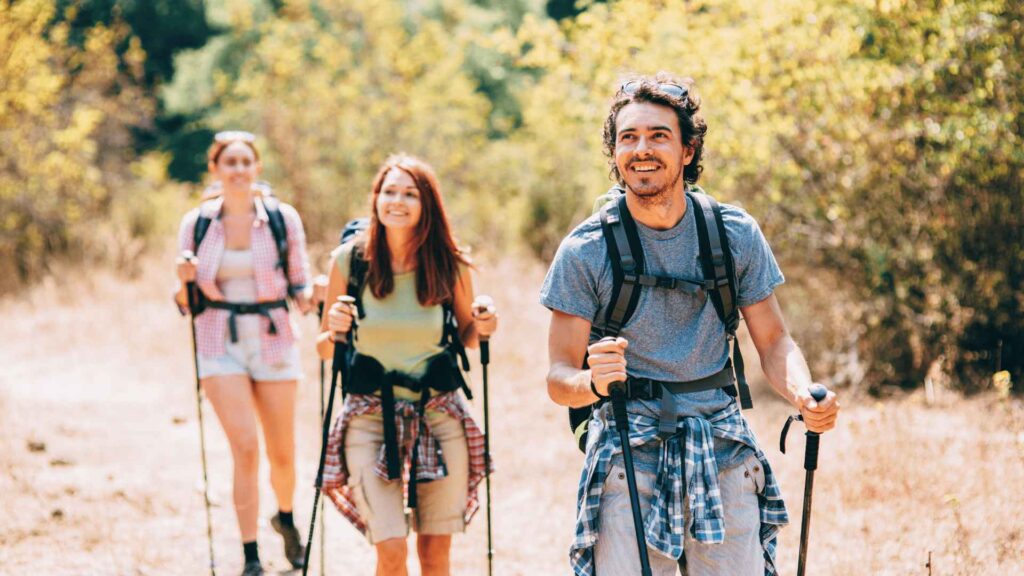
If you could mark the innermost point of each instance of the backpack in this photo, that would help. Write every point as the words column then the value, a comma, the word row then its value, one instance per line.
column 455, row 351
column 627, row 261
column 277, row 228
column 366, row 376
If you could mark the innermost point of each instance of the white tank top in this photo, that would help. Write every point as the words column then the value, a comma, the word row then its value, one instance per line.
column 237, row 281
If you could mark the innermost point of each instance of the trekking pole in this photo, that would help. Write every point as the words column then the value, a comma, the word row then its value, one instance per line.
column 319, row 293
column 341, row 345
column 818, row 392
column 485, row 359
column 193, row 304
column 617, row 391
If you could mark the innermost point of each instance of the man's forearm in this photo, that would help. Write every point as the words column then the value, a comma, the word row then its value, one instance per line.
column 570, row 386
column 786, row 369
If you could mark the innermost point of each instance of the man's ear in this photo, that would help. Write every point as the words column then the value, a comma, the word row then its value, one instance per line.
column 688, row 153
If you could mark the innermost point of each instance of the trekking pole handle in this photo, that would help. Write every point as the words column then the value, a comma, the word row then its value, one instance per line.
column 342, row 336
column 479, row 307
column 818, row 392
column 617, row 388
column 485, row 350
column 191, row 290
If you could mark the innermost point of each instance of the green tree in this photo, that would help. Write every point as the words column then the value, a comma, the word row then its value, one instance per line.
column 66, row 114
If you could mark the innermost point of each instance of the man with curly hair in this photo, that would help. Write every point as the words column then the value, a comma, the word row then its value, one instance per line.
column 709, row 501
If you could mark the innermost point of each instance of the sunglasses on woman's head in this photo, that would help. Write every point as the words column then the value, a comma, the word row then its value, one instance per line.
column 234, row 136
column 673, row 90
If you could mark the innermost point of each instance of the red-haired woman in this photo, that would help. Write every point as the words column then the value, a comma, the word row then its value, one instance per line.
column 251, row 255
column 416, row 312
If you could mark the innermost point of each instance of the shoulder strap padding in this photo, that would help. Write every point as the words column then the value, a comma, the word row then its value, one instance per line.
column 199, row 232
column 625, row 253
column 280, row 233
column 357, row 267
column 720, row 280
column 716, row 259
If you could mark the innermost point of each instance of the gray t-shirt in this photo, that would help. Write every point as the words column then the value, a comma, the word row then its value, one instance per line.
column 673, row 335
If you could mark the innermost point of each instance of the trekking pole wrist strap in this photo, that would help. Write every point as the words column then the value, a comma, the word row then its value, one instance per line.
column 593, row 389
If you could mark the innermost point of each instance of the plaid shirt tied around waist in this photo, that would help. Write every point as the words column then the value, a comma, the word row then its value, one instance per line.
column 686, row 468
column 429, row 460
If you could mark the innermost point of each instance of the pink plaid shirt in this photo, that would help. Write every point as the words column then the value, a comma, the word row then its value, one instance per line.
column 211, row 324
column 429, row 459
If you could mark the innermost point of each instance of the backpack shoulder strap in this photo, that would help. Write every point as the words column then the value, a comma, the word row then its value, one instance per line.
column 357, row 267
column 627, row 261
column 720, row 278
column 280, row 232
column 199, row 232
column 453, row 344
column 716, row 259
column 202, row 226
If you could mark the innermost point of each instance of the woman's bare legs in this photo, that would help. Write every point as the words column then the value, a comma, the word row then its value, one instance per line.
column 391, row 555
column 232, row 399
column 433, row 551
column 275, row 402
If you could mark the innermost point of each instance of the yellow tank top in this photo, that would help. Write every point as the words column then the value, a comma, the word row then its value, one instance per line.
column 398, row 331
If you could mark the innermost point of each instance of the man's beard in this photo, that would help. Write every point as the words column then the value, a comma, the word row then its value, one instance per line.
column 660, row 196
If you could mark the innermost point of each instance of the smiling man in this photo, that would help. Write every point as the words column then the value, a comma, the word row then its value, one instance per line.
column 709, row 501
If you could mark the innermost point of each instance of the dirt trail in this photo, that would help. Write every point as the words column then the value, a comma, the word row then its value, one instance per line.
column 99, row 466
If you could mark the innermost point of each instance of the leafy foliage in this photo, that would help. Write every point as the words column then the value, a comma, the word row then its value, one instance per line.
column 65, row 117
column 877, row 142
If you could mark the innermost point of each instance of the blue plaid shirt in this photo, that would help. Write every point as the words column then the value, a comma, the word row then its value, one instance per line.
column 686, row 466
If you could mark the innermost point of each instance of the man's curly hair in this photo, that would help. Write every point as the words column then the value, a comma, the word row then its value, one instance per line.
column 691, row 122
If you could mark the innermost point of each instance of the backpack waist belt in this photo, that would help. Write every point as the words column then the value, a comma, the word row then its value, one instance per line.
column 649, row 389
column 235, row 308
column 368, row 376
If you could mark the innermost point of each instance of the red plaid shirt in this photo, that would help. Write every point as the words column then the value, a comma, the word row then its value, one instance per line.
column 429, row 460
column 211, row 325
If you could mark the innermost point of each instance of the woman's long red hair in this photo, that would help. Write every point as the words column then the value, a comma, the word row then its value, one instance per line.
column 437, row 256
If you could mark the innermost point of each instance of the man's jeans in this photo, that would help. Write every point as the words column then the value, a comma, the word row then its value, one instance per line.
column 741, row 554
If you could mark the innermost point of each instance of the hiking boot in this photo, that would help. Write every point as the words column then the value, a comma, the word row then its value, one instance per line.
column 252, row 568
column 294, row 551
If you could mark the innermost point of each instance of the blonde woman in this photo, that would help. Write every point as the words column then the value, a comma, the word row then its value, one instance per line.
column 251, row 255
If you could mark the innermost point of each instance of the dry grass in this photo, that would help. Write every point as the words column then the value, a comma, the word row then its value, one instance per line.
column 100, row 373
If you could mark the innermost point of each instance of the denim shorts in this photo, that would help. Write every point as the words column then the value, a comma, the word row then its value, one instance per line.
column 244, row 358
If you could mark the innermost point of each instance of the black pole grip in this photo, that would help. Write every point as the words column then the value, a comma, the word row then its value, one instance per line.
column 818, row 392
column 617, row 391
column 811, row 451
column 485, row 351
column 193, row 297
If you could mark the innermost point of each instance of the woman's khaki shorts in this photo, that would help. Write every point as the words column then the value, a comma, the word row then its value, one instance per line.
column 442, row 503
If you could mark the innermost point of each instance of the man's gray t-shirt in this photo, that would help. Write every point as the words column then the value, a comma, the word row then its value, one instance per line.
column 673, row 335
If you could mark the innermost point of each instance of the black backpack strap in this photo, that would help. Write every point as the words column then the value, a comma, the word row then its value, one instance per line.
column 720, row 279
column 625, row 253
column 627, row 261
column 202, row 226
column 453, row 345
column 280, row 233
column 357, row 267
column 199, row 232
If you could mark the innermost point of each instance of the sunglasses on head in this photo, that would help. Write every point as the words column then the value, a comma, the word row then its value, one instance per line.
column 673, row 90
column 234, row 136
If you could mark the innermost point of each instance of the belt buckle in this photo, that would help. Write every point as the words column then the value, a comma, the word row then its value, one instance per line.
column 639, row 389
